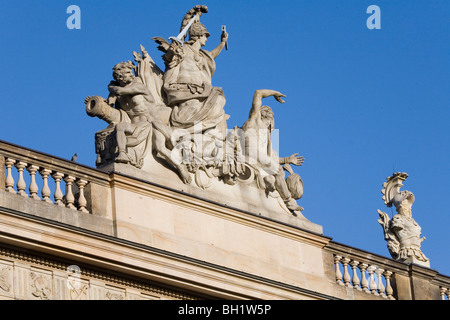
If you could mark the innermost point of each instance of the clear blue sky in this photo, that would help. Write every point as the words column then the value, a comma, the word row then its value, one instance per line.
column 360, row 103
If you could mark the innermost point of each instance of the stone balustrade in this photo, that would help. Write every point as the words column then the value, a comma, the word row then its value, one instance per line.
column 379, row 277
column 364, row 276
column 42, row 177
column 73, row 196
column 445, row 293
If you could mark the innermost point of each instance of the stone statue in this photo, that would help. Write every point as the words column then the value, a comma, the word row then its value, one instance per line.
column 197, row 106
column 178, row 116
column 258, row 148
column 402, row 233
column 188, row 77
column 138, row 126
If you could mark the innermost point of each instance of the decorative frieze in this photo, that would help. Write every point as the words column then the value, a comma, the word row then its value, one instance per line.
column 28, row 277
column 6, row 279
column 41, row 284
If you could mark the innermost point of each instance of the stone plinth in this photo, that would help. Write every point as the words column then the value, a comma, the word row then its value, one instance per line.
column 186, row 225
column 243, row 195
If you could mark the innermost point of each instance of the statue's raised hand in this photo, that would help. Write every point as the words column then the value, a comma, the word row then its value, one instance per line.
column 278, row 96
column 295, row 159
column 137, row 56
column 224, row 37
column 87, row 99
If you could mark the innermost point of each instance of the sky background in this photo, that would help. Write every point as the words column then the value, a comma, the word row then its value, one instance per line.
column 361, row 104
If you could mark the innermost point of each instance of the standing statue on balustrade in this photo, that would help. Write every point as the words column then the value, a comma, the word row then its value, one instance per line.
column 402, row 233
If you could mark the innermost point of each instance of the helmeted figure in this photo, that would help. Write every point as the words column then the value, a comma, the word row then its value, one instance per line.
column 402, row 232
column 187, row 79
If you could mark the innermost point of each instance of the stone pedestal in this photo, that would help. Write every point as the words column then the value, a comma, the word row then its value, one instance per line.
column 208, row 231
column 243, row 196
column 414, row 260
column 418, row 284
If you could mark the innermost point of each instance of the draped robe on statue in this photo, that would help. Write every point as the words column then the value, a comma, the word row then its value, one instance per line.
column 190, row 93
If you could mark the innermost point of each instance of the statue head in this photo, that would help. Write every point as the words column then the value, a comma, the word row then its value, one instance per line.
column 196, row 31
column 123, row 72
column 267, row 117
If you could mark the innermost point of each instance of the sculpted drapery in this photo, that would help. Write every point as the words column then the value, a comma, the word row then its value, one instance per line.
column 178, row 115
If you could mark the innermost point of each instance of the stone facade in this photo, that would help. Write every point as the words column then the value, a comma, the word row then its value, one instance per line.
column 31, row 276
column 180, row 206
column 144, row 240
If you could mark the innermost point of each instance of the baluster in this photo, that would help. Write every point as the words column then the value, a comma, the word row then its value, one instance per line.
column 9, row 181
column 338, row 272
column 347, row 278
column 380, row 287
column 70, row 199
column 21, row 185
column 372, row 284
column 443, row 292
column 45, row 192
column 58, row 195
column 389, row 290
column 33, row 188
column 81, row 198
column 355, row 279
column 364, row 283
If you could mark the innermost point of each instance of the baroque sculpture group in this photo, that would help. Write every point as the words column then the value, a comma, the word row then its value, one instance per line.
column 178, row 116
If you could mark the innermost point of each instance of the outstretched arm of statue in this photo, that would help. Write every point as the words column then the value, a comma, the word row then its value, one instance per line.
column 133, row 88
column 112, row 98
column 255, row 111
column 219, row 48
column 294, row 159
column 264, row 93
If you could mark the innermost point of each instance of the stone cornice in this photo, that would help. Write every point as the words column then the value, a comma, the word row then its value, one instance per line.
column 141, row 261
column 422, row 272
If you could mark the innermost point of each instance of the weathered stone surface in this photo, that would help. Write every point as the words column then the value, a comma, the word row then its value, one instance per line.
column 402, row 232
column 64, row 215
column 171, row 125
